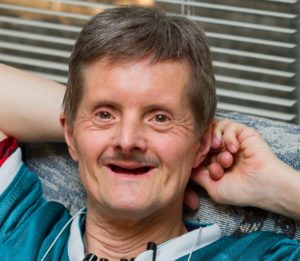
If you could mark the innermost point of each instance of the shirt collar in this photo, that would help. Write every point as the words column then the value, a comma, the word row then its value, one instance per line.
column 169, row 250
column 75, row 243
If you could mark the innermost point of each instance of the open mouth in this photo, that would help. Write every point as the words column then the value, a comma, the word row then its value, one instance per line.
column 130, row 171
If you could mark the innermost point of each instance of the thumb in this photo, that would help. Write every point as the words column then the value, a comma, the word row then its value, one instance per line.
column 202, row 177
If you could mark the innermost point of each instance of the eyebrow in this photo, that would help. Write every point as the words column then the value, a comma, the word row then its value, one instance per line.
column 107, row 103
column 113, row 104
column 160, row 107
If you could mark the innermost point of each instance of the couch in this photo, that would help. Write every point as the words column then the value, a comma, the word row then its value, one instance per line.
column 60, row 181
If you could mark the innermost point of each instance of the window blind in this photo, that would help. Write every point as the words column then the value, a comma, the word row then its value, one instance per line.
column 254, row 45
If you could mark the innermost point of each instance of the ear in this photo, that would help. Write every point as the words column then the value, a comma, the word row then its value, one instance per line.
column 68, row 134
column 204, row 145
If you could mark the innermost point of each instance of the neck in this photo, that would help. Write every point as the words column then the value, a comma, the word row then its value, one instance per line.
column 116, row 238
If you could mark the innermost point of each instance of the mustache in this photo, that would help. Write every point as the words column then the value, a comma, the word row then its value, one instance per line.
column 134, row 157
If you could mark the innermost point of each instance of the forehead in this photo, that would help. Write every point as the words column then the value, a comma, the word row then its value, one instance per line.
column 163, row 79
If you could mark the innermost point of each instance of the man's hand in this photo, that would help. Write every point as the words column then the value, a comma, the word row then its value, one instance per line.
column 239, row 167
column 242, row 170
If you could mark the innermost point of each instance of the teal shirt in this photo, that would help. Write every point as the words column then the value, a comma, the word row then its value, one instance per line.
column 29, row 224
column 253, row 246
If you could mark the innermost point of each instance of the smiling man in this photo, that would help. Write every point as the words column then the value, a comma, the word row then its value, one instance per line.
column 136, row 142
column 137, row 118
column 141, row 79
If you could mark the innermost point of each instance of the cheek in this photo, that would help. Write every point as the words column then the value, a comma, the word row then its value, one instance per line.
column 90, row 146
column 177, row 157
column 174, row 150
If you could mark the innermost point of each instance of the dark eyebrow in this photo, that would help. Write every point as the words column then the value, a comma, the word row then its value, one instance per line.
column 160, row 107
column 106, row 103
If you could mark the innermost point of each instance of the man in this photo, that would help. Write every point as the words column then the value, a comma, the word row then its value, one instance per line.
column 137, row 118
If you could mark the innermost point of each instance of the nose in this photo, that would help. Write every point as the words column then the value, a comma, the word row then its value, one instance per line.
column 130, row 137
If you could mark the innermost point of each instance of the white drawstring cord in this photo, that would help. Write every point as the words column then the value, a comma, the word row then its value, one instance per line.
column 80, row 212
column 195, row 242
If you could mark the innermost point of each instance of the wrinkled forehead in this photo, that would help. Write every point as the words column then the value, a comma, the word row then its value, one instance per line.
column 112, row 62
column 119, row 59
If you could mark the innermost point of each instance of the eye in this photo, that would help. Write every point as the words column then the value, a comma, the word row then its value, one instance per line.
column 161, row 118
column 160, row 121
column 104, row 115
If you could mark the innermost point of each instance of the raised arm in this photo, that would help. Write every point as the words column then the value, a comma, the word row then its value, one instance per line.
column 30, row 106
column 247, row 173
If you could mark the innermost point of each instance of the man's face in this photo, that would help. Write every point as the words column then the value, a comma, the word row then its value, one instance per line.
column 134, row 136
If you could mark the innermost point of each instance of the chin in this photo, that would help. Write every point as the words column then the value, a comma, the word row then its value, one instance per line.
column 131, row 210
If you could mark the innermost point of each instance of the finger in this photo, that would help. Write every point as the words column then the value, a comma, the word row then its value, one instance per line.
column 202, row 177
column 231, row 134
column 219, row 127
column 225, row 159
column 216, row 171
column 191, row 198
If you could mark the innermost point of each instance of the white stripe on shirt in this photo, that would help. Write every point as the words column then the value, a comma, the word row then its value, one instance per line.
column 9, row 169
